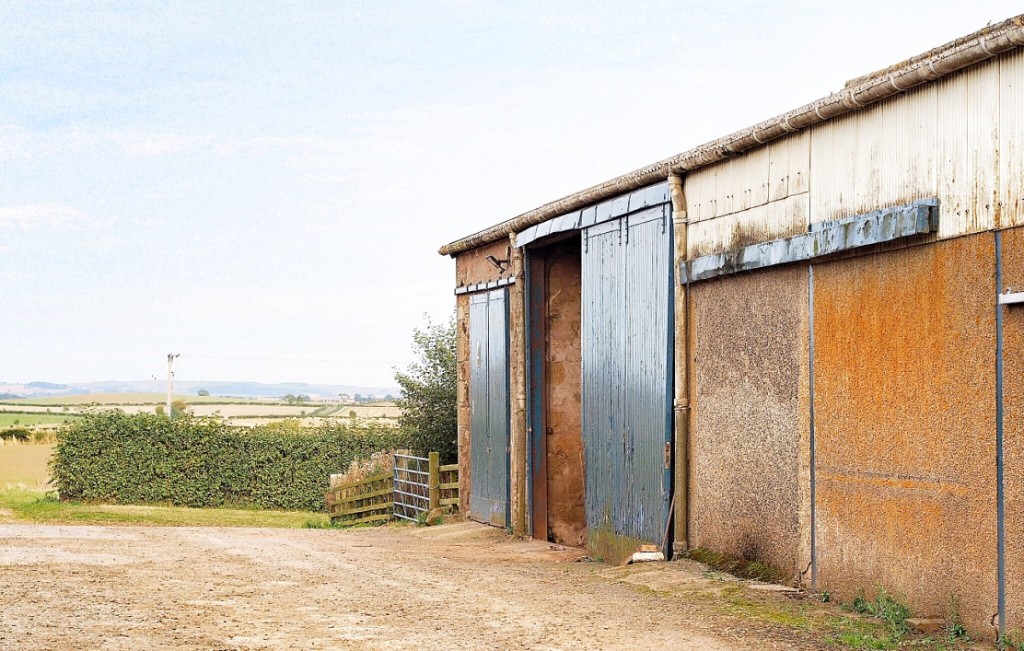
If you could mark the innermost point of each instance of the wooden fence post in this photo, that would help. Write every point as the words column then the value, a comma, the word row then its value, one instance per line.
column 434, row 480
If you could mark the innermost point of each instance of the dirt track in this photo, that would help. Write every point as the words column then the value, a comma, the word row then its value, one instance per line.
column 461, row 586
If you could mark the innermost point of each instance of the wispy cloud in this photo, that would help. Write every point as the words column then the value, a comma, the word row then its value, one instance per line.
column 52, row 216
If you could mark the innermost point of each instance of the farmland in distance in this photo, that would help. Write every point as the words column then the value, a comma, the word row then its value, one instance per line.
column 50, row 412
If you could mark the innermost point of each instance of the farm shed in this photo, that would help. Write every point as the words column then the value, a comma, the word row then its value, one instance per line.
column 803, row 341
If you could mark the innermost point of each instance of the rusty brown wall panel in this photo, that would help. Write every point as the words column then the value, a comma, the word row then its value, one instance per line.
column 905, row 426
column 472, row 266
column 750, row 364
column 567, row 520
column 462, row 396
column 1013, row 428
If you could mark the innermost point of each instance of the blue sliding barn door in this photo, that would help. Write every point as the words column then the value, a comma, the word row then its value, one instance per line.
column 489, row 408
column 627, row 377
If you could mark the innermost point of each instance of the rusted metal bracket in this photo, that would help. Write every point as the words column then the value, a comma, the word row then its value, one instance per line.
column 824, row 238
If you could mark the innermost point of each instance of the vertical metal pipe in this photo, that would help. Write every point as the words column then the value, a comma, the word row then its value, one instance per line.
column 517, row 391
column 810, row 378
column 681, row 371
column 1000, row 506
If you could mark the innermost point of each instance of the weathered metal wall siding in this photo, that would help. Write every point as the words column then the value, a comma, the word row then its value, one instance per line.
column 472, row 266
column 489, row 407
column 1013, row 427
column 627, row 376
column 647, row 382
column 904, row 426
column 937, row 140
column 462, row 398
column 498, row 402
column 566, row 515
column 1011, row 139
column 759, row 196
column 771, row 221
column 603, row 348
column 478, row 398
column 750, row 431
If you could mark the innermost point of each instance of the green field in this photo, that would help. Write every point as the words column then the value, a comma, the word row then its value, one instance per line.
column 129, row 399
column 12, row 419
column 36, row 506
column 24, row 466
column 47, row 413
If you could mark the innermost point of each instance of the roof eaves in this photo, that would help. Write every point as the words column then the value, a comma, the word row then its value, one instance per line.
column 858, row 93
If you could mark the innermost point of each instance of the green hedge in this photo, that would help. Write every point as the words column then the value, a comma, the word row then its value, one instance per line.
column 145, row 458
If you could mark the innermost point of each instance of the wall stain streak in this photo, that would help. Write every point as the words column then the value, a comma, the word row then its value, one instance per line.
column 904, row 424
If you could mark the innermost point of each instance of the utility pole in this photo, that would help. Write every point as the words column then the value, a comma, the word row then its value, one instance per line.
column 170, row 381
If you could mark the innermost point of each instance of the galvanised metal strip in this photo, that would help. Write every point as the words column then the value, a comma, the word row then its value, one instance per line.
column 825, row 238
column 479, row 287
column 626, row 204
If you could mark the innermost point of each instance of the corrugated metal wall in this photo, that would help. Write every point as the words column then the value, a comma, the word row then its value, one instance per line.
column 756, row 197
column 957, row 139
column 1011, row 139
column 489, row 414
column 626, row 335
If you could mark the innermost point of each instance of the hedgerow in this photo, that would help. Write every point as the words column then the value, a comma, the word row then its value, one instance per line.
column 185, row 461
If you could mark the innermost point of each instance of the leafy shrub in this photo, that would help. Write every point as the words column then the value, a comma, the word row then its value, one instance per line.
column 428, row 400
column 15, row 434
column 145, row 458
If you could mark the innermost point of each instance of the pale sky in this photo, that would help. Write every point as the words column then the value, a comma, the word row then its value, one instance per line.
column 262, row 186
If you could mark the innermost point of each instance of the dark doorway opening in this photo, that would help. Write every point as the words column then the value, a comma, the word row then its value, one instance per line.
column 557, row 474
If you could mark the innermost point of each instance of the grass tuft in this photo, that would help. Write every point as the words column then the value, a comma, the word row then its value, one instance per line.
column 741, row 567
column 27, row 505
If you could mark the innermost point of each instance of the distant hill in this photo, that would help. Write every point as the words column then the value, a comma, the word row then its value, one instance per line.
column 215, row 387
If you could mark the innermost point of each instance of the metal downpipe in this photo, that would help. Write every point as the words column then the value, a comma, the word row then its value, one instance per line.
column 681, row 402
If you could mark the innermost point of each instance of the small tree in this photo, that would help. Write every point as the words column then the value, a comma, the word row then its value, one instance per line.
column 203, row 392
column 429, row 389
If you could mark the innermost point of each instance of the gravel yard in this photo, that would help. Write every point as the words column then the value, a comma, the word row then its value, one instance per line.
column 458, row 586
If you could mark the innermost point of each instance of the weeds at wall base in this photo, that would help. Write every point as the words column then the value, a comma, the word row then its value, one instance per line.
column 1012, row 641
column 741, row 567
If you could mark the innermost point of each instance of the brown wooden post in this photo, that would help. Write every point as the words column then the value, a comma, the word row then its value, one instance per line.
column 434, row 480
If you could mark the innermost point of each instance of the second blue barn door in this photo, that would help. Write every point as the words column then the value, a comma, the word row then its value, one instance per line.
column 627, row 379
column 489, row 413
